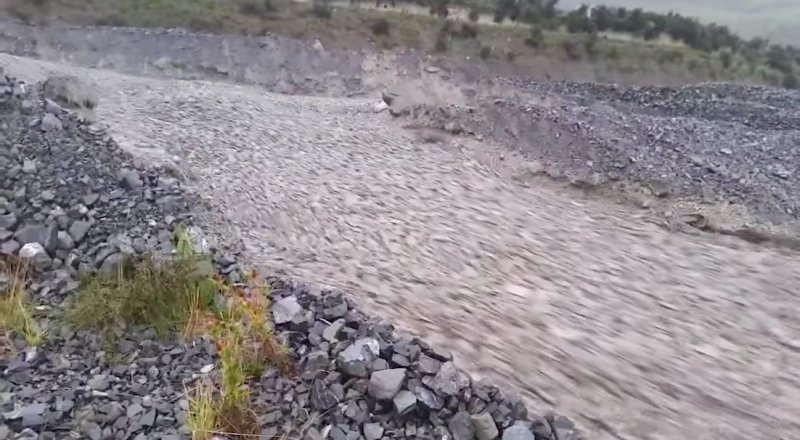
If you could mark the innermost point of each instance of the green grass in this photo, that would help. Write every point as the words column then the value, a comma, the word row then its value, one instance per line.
column 16, row 308
column 202, row 417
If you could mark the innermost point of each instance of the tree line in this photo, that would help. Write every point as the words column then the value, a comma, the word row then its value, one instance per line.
column 544, row 14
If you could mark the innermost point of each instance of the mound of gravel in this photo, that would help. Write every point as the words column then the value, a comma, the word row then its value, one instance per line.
column 74, row 203
column 715, row 143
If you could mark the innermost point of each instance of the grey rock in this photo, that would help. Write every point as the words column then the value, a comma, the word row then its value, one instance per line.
column 372, row 431
column 449, row 380
column 51, row 106
column 404, row 402
column 130, row 179
column 428, row 365
column 99, row 383
column 322, row 397
column 34, row 409
column 461, row 426
column 8, row 221
column 90, row 199
column 332, row 331
column 440, row 354
column 485, row 427
column 78, row 230
column 47, row 236
column 48, row 196
column 518, row 432
column 50, row 122
column 286, row 309
column 5, row 234
column 387, row 383
column 428, row 398
column 316, row 362
column 9, row 247
column 29, row 166
column 65, row 241
column 565, row 429
column 355, row 359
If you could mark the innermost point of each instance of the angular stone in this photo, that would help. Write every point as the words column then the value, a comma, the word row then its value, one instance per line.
column 50, row 122
column 461, row 426
column 9, row 247
column 65, row 241
column 404, row 402
column 372, row 431
column 316, row 362
column 7, row 221
column 322, row 397
column 428, row 365
column 485, row 428
column 332, row 331
column 565, row 429
column 518, row 432
column 449, row 380
column 78, row 230
column 47, row 236
column 428, row 398
column 286, row 309
column 384, row 385
column 355, row 359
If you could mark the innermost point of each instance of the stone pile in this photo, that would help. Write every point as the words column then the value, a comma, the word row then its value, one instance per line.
column 363, row 380
column 74, row 203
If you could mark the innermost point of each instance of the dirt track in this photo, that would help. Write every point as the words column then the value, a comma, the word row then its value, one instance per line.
column 581, row 304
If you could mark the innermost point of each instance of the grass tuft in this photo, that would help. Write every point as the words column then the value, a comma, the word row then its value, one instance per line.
column 159, row 295
column 16, row 309
column 202, row 417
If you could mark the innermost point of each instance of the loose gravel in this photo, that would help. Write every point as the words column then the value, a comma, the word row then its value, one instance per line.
column 578, row 304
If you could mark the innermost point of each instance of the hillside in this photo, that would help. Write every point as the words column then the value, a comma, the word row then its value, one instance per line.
column 516, row 48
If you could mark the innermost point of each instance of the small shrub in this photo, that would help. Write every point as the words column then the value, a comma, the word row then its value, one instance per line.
column 511, row 56
column 790, row 81
column 572, row 49
column 256, row 7
column 536, row 37
column 726, row 58
column 441, row 43
column 474, row 15
column 321, row 9
column 486, row 52
column 590, row 45
column 468, row 31
column 381, row 27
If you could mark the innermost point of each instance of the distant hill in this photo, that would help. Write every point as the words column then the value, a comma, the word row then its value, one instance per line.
column 778, row 20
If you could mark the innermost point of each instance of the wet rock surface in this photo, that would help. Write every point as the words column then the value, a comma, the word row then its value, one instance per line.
column 74, row 203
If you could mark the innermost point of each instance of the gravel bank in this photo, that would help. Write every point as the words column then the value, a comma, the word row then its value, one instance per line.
column 714, row 144
column 78, row 204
